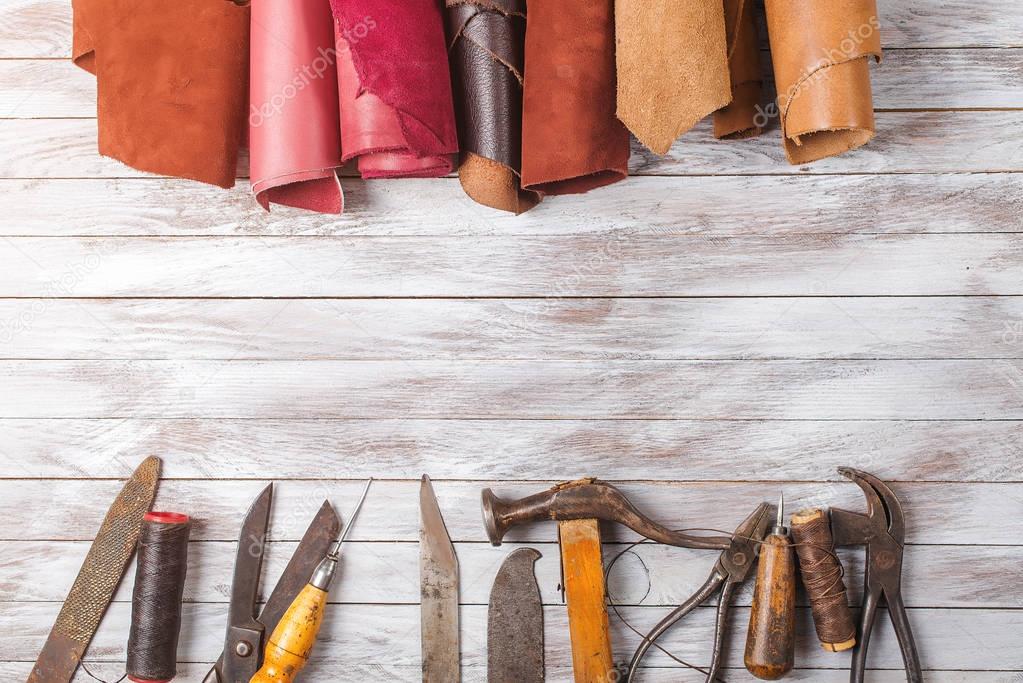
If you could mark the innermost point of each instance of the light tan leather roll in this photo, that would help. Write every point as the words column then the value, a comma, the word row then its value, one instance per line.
column 821, row 53
column 741, row 118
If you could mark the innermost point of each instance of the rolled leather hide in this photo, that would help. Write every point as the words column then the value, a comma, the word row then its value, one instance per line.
column 821, row 53
column 672, row 66
column 486, row 47
column 172, row 83
column 397, row 114
column 741, row 118
column 294, row 131
column 572, row 142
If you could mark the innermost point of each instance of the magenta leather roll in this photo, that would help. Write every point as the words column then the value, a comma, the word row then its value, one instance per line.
column 294, row 129
column 397, row 112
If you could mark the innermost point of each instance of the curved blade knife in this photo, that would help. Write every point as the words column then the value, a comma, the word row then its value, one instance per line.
column 98, row 579
column 515, row 622
column 438, row 575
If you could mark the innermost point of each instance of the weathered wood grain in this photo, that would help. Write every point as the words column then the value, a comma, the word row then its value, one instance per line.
column 698, row 205
column 698, row 450
column 937, row 513
column 374, row 634
column 908, row 79
column 907, row 142
column 511, row 329
column 550, row 267
column 42, row 28
column 962, row 577
column 791, row 390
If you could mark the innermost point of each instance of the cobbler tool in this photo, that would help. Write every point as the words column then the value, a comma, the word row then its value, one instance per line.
column 98, row 578
column 515, row 643
column 578, row 507
column 771, row 639
column 438, row 576
column 243, row 645
column 292, row 641
column 731, row 570
column 883, row 531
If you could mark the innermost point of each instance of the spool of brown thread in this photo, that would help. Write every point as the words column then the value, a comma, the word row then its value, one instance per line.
column 822, row 576
column 156, row 600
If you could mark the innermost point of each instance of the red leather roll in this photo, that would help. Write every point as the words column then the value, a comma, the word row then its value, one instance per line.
column 397, row 113
column 171, row 83
column 294, row 134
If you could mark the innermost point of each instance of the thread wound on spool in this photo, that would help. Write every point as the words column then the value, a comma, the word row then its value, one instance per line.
column 156, row 599
column 822, row 576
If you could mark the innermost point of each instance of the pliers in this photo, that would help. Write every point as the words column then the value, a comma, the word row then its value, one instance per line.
column 735, row 564
column 883, row 531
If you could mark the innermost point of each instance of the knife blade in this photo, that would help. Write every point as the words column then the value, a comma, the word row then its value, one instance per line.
column 97, row 581
column 438, row 575
column 515, row 622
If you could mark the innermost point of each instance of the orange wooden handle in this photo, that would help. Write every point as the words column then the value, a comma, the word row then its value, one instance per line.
column 771, row 640
column 292, row 641
column 592, row 660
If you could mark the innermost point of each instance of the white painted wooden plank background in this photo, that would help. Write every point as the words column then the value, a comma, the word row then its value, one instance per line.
column 718, row 327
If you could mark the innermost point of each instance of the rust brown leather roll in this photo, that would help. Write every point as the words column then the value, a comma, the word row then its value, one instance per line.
column 672, row 66
column 741, row 118
column 572, row 142
column 172, row 83
column 821, row 53
column 486, row 47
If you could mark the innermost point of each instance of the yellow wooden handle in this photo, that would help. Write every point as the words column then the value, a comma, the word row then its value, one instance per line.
column 292, row 641
column 592, row 660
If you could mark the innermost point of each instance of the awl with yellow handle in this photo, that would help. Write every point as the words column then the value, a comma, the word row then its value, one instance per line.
column 291, row 643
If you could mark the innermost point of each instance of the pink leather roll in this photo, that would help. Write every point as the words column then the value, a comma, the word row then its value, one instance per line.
column 397, row 112
column 294, row 130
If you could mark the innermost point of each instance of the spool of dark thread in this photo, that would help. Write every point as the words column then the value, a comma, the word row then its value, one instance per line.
column 822, row 576
column 156, row 600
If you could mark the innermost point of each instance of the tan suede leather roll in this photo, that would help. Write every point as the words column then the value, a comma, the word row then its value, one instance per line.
column 571, row 140
column 821, row 53
column 741, row 118
column 672, row 66
column 172, row 83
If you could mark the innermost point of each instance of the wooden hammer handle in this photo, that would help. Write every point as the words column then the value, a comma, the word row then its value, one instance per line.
column 592, row 660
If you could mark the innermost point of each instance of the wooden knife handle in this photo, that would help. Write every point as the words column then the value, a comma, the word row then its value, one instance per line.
column 592, row 661
column 771, row 640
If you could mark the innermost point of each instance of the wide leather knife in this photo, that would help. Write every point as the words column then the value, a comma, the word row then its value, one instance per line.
column 98, row 578
column 438, row 575
column 243, row 645
column 515, row 622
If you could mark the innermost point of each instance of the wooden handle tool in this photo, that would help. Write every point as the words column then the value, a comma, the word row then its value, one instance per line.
column 292, row 641
column 771, row 640
column 592, row 660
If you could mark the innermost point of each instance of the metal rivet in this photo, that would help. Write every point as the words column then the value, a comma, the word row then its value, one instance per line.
column 243, row 648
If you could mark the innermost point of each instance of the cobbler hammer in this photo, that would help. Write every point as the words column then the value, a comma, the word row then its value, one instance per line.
column 578, row 507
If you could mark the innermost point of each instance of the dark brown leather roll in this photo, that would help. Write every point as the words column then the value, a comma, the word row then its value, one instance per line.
column 741, row 118
column 172, row 83
column 821, row 53
column 486, row 45
column 572, row 142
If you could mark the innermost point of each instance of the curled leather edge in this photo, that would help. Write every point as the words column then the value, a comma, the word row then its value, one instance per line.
column 822, row 73
column 740, row 119
column 489, row 171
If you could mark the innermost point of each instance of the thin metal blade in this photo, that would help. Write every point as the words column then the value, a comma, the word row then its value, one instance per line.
column 438, row 573
column 248, row 560
column 98, row 578
column 515, row 643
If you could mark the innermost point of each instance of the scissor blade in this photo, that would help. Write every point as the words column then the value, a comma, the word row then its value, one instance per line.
column 438, row 572
column 249, row 560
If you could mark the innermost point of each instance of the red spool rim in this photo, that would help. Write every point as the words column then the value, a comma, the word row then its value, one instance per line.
column 147, row 680
column 163, row 518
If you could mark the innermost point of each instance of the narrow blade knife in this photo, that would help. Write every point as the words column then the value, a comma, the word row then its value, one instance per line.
column 98, row 578
column 438, row 574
